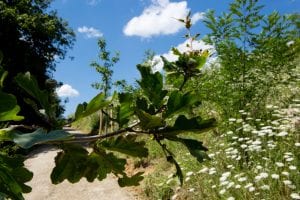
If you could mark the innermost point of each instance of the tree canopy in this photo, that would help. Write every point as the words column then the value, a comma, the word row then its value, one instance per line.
column 31, row 38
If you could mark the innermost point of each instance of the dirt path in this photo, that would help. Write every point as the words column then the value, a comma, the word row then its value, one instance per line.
column 42, row 163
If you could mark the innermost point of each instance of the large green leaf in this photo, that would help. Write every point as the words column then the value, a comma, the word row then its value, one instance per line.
column 74, row 163
column 101, row 163
column 152, row 85
column 13, row 177
column 125, row 110
column 131, row 181
column 195, row 124
column 148, row 121
column 30, row 85
column 127, row 145
column 179, row 103
column 9, row 108
column 70, row 164
column 96, row 104
column 27, row 140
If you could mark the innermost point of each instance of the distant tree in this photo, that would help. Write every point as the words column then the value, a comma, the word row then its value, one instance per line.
column 31, row 37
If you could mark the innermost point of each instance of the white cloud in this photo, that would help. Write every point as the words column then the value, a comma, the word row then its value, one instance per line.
column 67, row 91
column 90, row 32
column 93, row 2
column 196, row 45
column 160, row 19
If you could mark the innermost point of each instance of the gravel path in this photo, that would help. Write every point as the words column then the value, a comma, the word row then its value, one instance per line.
column 42, row 163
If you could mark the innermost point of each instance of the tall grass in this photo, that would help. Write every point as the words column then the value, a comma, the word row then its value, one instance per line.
column 252, row 160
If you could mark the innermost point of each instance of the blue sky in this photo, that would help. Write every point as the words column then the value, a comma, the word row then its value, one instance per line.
column 130, row 27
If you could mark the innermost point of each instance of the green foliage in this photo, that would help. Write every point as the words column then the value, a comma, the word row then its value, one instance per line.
column 96, row 104
column 70, row 164
column 29, row 84
column 124, row 110
column 131, row 181
column 13, row 177
column 74, row 162
column 126, row 145
column 31, row 36
column 155, row 110
column 104, row 69
column 152, row 85
column 27, row 140
column 9, row 108
column 183, row 124
column 179, row 103
column 254, row 58
column 148, row 122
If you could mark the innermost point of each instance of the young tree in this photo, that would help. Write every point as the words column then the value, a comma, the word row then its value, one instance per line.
column 106, row 72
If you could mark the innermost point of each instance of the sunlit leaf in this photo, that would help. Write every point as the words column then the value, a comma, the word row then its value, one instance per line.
column 179, row 103
column 30, row 85
column 148, row 121
column 152, row 85
column 96, row 104
column 9, row 108
column 125, row 110
column 127, row 145
column 27, row 140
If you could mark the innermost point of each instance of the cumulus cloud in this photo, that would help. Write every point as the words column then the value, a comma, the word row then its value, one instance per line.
column 90, row 32
column 67, row 91
column 183, row 47
column 93, row 2
column 160, row 19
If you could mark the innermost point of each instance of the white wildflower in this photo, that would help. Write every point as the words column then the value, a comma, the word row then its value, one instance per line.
column 242, row 179
column 238, row 186
column 265, row 187
column 239, row 120
column 224, row 183
column 292, row 186
column 222, row 191
column 230, row 198
column 285, row 173
column 189, row 173
column 204, row 170
column 230, row 185
column 289, row 159
column 279, row 164
column 297, row 144
column 187, row 179
column 290, row 43
column 292, row 167
column 192, row 190
column 282, row 134
column 287, row 182
column 295, row 196
column 248, row 185
column 251, row 189
column 275, row 176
